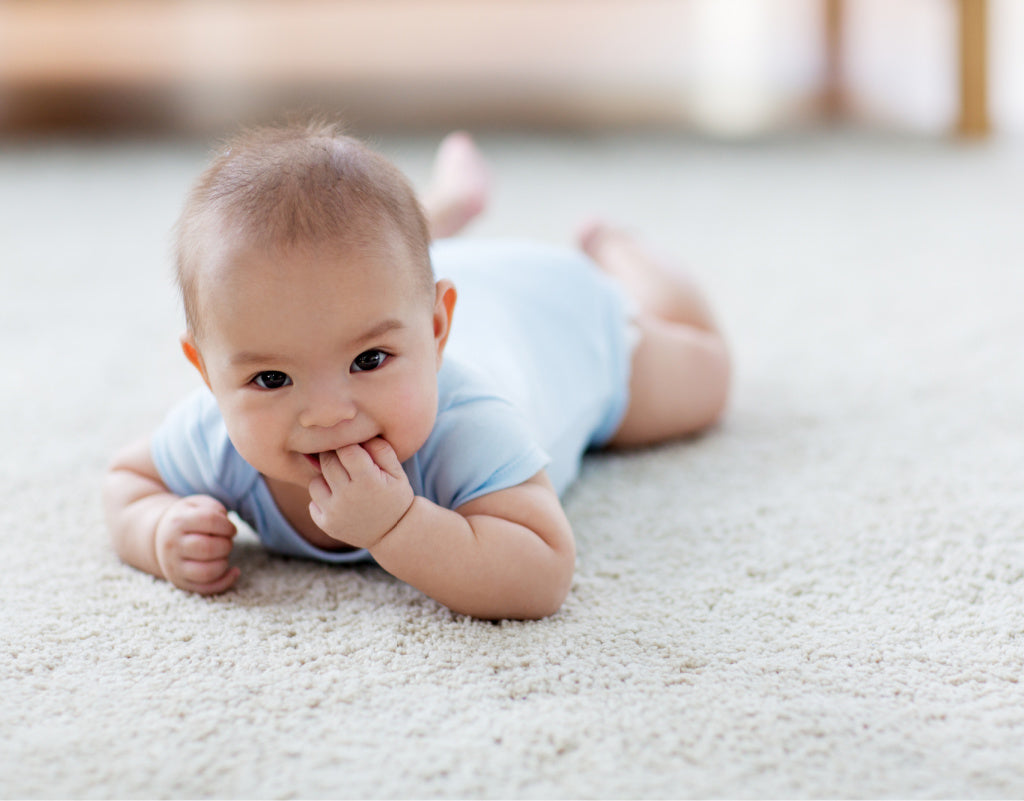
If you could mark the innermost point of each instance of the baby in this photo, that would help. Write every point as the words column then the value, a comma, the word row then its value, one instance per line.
column 350, row 414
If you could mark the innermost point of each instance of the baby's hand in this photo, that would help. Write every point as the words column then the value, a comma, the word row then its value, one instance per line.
column 362, row 494
column 193, row 543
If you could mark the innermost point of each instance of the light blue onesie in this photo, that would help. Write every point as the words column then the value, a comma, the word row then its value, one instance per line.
column 536, row 371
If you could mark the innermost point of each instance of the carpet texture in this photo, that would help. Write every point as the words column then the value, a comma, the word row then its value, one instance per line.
column 824, row 596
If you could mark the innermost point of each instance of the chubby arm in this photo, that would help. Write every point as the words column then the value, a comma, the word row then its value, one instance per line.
column 184, row 540
column 507, row 554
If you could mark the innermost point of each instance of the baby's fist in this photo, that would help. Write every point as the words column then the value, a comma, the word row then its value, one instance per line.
column 361, row 494
column 193, row 545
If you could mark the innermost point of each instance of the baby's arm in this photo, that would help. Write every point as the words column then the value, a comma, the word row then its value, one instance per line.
column 507, row 554
column 184, row 540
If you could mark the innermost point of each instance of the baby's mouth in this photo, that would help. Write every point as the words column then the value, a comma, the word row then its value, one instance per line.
column 313, row 459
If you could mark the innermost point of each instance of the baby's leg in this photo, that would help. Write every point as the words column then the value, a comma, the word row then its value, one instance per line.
column 460, row 186
column 680, row 371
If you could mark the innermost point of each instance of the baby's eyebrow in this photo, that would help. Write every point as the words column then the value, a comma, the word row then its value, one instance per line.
column 381, row 328
column 247, row 357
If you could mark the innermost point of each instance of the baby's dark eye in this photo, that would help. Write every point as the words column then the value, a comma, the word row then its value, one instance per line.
column 272, row 379
column 368, row 360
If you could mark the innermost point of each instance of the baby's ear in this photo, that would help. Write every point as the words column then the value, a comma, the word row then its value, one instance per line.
column 444, row 308
column 188, row 347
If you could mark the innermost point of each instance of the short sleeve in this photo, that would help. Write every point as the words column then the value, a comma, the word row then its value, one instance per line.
column 193, row 454
column 480, row 444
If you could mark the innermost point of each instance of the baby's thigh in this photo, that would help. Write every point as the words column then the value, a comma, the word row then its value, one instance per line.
column 678, row 385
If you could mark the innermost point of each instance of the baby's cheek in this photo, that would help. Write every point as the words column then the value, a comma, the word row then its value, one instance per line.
column 412, row 423
column 254, row 439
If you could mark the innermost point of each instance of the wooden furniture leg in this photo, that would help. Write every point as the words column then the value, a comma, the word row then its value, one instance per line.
column 833, row 100
column 973, row 21
column 972, row 31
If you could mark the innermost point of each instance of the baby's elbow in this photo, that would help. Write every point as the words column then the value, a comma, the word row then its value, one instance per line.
column 535, row 597
column 537, row 606
column 719, row 384
column 116, row 501
column 112, row 494
column 549, row 605
column 547, row 597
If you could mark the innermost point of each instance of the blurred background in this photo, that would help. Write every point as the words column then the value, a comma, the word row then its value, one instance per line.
column 730, row 68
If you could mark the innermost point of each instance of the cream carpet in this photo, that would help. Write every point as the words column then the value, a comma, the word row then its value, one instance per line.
column 822, row 597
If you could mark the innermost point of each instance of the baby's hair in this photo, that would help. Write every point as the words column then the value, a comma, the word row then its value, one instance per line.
column 296, row 185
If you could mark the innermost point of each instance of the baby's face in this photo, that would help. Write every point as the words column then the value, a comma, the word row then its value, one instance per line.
column 310, row 351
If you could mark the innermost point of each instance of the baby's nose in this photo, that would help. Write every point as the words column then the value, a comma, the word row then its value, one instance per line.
column 327, row 407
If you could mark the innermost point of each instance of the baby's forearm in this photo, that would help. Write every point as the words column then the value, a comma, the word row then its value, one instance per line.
column 134, row 506
column 481, row 564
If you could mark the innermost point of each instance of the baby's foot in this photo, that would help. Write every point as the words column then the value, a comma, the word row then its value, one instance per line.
column 655, row 284
column 620, row 254
column 460, row 188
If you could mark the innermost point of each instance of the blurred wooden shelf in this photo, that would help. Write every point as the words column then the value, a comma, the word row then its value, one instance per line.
column 526, row 60
column 493, row 54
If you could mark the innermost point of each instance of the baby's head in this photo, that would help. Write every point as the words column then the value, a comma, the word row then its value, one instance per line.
column 312, row 311
column 285, row 189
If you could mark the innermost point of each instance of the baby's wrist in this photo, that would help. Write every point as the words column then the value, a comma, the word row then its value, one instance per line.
column 403, row 520
column 158, row 533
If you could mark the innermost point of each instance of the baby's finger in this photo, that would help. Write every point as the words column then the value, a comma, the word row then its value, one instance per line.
column 205, row 547
column 384, row 455
column 200, row 573
column 319, row 498
column 319, row 490
column 205, row 502
column 209, row 521
column 222, row 584
column 332, row 469
column 356, row 461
